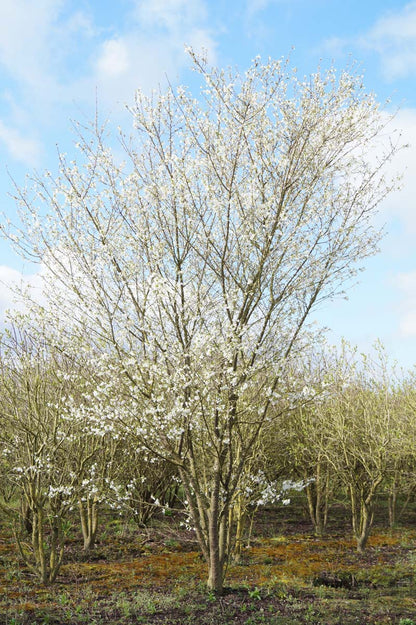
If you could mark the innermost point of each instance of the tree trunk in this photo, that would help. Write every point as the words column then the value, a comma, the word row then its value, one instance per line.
column 56, row 549
column 38, row 544
column 241, row 517
column 26, row 516
column 362, row 514
column 89, row 522
column 392, row 505
column 317, row 494
column 216, row 540
column 366, row 522
column 211, row 522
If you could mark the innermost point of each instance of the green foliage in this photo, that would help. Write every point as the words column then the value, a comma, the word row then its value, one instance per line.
column 254, row 594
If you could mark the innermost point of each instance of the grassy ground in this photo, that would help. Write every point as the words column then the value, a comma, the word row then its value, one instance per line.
column 157, row 576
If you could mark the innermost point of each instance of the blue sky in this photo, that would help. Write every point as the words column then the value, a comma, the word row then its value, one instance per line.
column 57, row 57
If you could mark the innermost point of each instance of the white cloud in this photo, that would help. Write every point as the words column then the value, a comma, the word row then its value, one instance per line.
column 36, row 42
column 406, row 284
column 21, row 148
column 257, row 6
column 408, row 324
column 151, row 49
column 36, row 39
column 8, row 276
column 114, row 59
column 24, row 40
column 173, row 15
column 392, row 290
column 392, row 37
column 53, row 55
column 125, row 64
column 394, row 28
column 12, row 281
column 400, row 205
column 202, row 42
column 179, row 22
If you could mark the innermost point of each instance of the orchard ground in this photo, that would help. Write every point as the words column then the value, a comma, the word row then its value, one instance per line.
column 286, row 576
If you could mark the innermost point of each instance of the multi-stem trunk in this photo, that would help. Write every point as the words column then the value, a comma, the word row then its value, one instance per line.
column 56, row 548
column 217, row 536
column 362, row 512
column 38, row 544
column 89, row 521
column 210, row 516
column 46, row 555
column 396, row 510
column 317, row 494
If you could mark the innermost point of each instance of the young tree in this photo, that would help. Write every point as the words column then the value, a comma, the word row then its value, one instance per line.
column 307, row 438
column 363, row 414
column 196, row 264
column 301, row 443
column 402, row 484
column 37, row 442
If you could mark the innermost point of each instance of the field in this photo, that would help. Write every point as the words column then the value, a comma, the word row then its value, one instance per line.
column 156, row 575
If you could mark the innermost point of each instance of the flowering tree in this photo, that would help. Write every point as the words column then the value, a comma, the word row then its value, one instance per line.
column 37, row 445
column 54, row 458
column 194, row 266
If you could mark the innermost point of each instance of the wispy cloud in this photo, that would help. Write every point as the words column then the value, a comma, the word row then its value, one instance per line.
column 114, row 59
column 149, row 49
column 11, row 282
column 172, row 15
column 253, row 7
column 21, row 148
column 406, row 284
column 401, row 203
column 52, row 55
column 392, row 37
column 24, row 41
column 37, row 40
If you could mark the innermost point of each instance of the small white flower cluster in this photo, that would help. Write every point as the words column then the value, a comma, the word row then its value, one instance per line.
column 272, row 492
